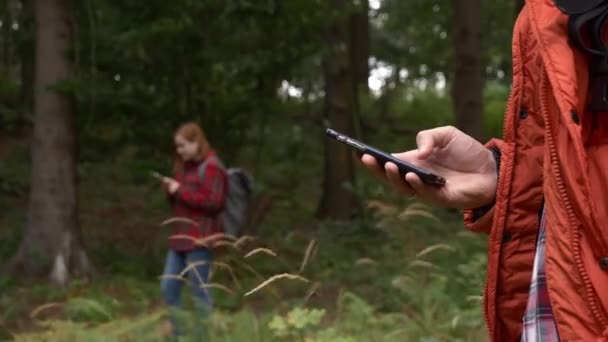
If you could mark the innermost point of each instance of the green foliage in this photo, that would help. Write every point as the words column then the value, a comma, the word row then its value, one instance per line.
column 184, row 61
column 355, row 320
column 496, row 96
column 5, row 335
column 14, row 186
column 434, row 298
column 243, row 325
column 9, row 102
column 142, row 68
column 88, row 310
column 425, row 108
column 137, row 329
column 15, row 171
column 416, row 36
column 298, row 323
column 374, row 258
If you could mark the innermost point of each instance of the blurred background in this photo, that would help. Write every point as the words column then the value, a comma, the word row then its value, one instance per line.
column 91, row 92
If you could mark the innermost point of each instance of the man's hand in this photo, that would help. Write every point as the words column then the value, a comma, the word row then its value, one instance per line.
column 468, row 167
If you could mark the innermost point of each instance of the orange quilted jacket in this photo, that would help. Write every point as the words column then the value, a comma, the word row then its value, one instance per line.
column 552, row 150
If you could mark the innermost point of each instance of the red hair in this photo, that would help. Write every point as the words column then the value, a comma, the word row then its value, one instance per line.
column 192, row 132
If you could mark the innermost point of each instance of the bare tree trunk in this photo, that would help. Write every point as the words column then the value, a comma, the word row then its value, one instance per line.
column 52, row 245
column 26, row 52
column 467, row 89
column 359, row 50
column 360, row 44
column 338, row 200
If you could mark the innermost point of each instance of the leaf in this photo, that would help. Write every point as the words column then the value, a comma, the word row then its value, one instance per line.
column 279, row 326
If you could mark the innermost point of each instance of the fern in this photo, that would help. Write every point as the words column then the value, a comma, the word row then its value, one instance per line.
column 90, row 310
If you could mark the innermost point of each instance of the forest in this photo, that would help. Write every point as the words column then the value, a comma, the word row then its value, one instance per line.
column 92, row 92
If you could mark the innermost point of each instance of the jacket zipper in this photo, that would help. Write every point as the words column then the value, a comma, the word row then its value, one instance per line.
column 563, row 195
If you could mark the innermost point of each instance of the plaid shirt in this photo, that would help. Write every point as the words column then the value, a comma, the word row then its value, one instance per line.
column 539, row 324
column 200, row 201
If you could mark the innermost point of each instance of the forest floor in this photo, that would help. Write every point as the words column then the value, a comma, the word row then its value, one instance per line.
column 400, row 272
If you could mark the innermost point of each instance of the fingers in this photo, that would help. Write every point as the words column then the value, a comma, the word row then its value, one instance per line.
column 168, row 180
column 424, row 191
column 393, row 175
column 390, row 172
column 371, row 163
column 409, row 156
column 430, row 139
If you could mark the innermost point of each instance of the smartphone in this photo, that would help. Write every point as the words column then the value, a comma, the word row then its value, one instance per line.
column 156, row 175
column 382, row 158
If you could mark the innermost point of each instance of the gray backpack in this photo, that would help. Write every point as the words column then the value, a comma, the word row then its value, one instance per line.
column 240, row 187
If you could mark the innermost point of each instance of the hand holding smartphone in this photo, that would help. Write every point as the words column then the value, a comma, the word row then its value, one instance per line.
column 157, row 175
column 169, row 184
column 382, row 158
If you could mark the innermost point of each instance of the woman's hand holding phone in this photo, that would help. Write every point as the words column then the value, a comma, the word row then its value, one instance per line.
column 468, row 167
column 169, row 184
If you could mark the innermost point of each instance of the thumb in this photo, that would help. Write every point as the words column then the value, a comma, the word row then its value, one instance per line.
column 430, row 139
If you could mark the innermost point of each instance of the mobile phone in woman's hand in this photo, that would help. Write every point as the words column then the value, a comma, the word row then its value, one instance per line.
column 157, row 175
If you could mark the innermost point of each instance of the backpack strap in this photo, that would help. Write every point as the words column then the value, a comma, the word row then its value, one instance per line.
column 585, row 24
column 571, row 7
column 596, row 18
column 202, row 169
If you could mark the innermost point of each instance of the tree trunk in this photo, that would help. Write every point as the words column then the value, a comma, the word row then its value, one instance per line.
column 338, row 200
column 360, row 44
column 52, row 244
column 26, row 51
column 467, row 89
column 359, row 49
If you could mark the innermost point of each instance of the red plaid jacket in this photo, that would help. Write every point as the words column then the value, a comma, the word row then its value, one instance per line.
column 200, row 201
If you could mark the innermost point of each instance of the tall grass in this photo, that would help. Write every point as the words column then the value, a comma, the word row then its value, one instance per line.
column 407, row 291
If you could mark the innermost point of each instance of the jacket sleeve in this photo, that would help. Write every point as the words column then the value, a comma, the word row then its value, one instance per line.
column 209, row 193
column 480, row 219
